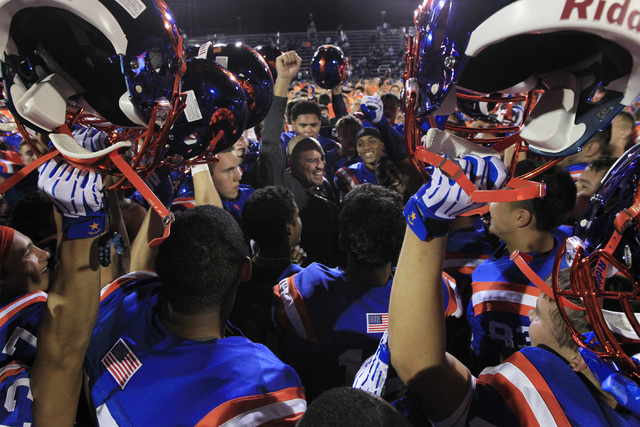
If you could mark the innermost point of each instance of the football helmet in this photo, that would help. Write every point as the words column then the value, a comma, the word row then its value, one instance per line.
column 604, row 255
column 270, row 54
column 251, row 71
column 215, row 102
column 559, row 53
column 118, row 60
column 329, row 67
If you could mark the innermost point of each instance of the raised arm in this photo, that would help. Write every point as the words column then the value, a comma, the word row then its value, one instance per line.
column 417, row 328
column 204, row 190
column 272, row 164
column 416, row 310
column 72, row 305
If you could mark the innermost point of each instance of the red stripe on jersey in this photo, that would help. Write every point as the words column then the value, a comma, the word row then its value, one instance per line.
column 300, row 308
column 124, row 281
column 504, row 306
column 348, row 178
column 187, row 202
column 241, row 405
column 12, row 368
column 506, row 286
column 10, row 310
column 500, row 304
column 452, row 307
column 519, row 360
column 515, row 398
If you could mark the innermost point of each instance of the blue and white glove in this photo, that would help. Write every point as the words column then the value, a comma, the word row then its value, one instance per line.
column 77, row 195
column 372, row 375
column 373, row 110
column 430, row 211
column 90, row 138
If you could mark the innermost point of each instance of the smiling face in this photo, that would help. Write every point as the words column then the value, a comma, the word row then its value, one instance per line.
column 308, row 168
column 25, row 268
column 370, row 148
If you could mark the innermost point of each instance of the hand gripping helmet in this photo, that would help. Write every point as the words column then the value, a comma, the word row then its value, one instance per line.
column 215, row 102
column 251, row 71
column 270, row 54
column 116, row 59
column 604, row 255
column 564, row 49
column 329, row 67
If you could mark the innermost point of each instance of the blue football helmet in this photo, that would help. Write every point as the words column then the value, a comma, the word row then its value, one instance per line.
column 251, row 71
column 270, row 54
column 329, row 67
column 565, row 51
column 116, row 61
column 215, row 102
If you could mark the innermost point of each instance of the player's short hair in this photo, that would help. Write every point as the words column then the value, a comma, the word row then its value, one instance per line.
column 555, row 207
column 371, row 224
column 305, row 107
column 306, row 144
column 348, row 120
column 201, row 260
column 602, row 164
column 390, row 95
column 346, row 406
column 628, row 118
column 560, row 331
column 603, row 136
column 578, row 319
column 324, row 99
column 265, row 216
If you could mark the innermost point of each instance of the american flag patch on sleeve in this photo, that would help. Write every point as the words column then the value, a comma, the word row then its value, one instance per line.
column 121, row 363
column 377, row 322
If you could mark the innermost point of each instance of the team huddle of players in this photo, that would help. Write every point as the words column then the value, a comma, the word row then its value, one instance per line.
column 451, row 266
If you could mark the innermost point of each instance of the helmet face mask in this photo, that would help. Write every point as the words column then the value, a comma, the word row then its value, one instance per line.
column 515, row 46
column 604, row 257
column 104, row 63
column 118, row 71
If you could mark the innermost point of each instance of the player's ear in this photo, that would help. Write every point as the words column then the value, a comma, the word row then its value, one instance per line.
column 577, row 363
column 522, row 217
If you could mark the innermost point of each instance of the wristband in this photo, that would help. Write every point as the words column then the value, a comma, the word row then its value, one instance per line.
column 84, row 226
column 423, row 225
column 195, row 169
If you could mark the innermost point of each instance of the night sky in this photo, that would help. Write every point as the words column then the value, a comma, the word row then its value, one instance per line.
column 201, row 17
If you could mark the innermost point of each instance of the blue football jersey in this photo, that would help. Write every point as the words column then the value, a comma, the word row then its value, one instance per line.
column 536, row 387
column 349, row 177
column 502, row 298
column 142, row 374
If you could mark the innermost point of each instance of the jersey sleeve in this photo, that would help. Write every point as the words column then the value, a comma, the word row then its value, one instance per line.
column 452, row 302
column 280, row 408
column 15, row 394
column 291, row 314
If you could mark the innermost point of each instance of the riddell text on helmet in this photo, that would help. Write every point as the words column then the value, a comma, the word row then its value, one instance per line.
column 602, row 10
